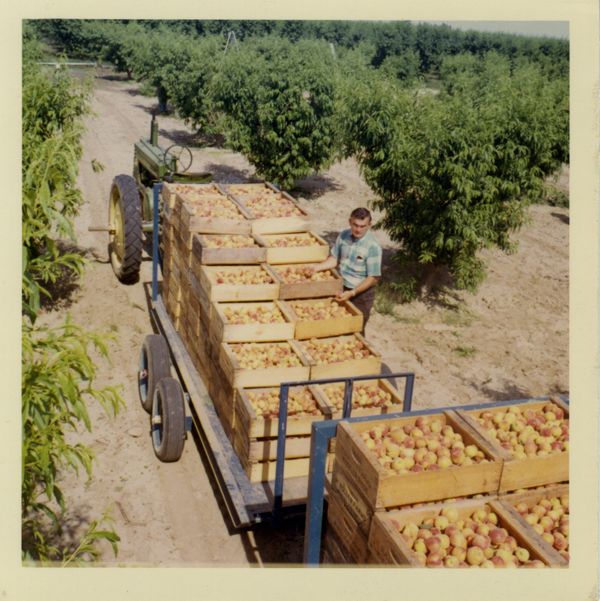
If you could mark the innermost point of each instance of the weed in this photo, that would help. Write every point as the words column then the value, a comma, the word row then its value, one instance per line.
column 390, row 294
column 458, row 317
column 554, row 196
column 465, row 351
column 407, row 320
column 384, row 304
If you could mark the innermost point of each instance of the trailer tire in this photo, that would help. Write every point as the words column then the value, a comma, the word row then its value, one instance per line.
column 168, row 420
column 125, row 220
column 155, row 364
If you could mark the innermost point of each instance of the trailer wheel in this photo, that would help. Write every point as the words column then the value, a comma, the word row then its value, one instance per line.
column 155, row 364
column 125, row 221
column 168, row 420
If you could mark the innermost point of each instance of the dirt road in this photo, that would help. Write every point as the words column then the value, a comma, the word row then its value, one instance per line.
column 510, row 340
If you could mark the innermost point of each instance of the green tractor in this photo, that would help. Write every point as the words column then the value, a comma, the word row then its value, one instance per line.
column 130, row 205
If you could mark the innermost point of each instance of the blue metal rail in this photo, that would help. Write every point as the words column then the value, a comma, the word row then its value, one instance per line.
column 347, row 409
column 322, row 433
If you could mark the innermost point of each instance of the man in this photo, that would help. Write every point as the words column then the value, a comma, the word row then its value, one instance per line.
column 358, row 255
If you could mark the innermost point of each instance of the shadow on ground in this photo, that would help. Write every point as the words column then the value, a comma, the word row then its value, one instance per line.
column 315, row 186
column 564, row 218
column 230, row 175
column 63, row 290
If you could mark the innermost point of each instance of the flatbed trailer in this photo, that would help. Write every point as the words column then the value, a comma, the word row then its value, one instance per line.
column 247, row 503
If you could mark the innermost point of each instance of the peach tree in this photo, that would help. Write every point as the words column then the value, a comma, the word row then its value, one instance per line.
column 455, row 172
column 278, row 100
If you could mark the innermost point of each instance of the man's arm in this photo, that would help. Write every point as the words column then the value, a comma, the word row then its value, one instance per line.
column 329, row 263
column 367, row 283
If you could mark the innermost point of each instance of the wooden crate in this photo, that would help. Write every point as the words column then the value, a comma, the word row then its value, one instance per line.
column 316, row 251
column 355, row 504
column 333, row 551
column 294, row 468
column 353, row 539
column 216, row 291
column 265, row 449
column 272, row 221
column 382, row 488
column 305, row 288
column 362, row 410
column 221, row 393
column 531, row 498
column 388, row 546
column 223, row 330
column 238, row 376
column 322, row 328
column 169, row 195
column 529, row 471
column 200, row 294
column 200, row 215
column 253, row 426
column 194, row 221
column 207, row 255
column 366, row 366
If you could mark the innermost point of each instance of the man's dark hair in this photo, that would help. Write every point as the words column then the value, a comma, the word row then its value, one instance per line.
column 360, row 213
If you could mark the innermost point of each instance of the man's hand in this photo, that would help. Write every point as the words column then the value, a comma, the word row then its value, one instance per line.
column 346, row 295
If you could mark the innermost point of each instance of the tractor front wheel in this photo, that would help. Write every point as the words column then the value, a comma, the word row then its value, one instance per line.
column 125, row 222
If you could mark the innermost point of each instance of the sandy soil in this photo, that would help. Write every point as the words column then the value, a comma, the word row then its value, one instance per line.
column 508, row 341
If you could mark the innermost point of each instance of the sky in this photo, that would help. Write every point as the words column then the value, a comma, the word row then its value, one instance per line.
column 555, row 29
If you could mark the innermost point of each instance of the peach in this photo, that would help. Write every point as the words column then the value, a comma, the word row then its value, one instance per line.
column 433, row 544
column 475, row 556
column 498, row 535
column 451, row 513
column 479, row 540
column 522, row 554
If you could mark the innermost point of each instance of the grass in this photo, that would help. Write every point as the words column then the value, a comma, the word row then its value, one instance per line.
column 465, row 351
column 384, row 303
column 554, row 196
column 407, row 320
column 458, row 317
column 390, row 294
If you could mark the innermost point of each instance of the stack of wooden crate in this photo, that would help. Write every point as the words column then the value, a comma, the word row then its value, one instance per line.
column 237, row 287
column 369, row 504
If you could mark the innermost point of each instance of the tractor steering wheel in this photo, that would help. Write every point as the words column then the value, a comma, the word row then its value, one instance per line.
column 181, row 154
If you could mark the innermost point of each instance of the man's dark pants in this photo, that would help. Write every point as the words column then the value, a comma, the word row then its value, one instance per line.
column 364, row 303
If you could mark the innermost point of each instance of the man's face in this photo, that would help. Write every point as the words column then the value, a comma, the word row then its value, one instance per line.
column 359, row 227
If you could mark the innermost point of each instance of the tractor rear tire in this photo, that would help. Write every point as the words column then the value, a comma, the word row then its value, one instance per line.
column 125, row 220
column 155, row 364
column 168, row 420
